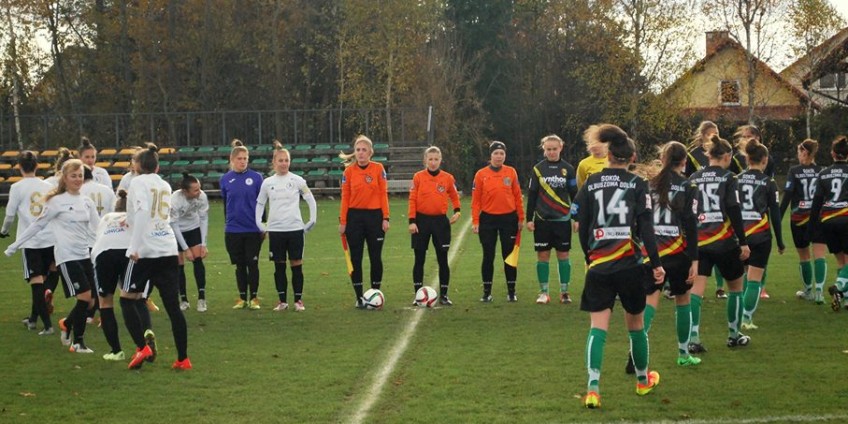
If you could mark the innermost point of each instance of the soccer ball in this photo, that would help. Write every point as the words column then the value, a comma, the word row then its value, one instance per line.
column 374, row 299
column 426, row 297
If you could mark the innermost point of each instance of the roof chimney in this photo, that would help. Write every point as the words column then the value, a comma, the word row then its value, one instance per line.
column 716, row 39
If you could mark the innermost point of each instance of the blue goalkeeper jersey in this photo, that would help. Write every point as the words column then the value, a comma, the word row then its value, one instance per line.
column 239, row 191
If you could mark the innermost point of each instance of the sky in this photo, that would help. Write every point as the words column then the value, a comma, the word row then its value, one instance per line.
column 842, row 7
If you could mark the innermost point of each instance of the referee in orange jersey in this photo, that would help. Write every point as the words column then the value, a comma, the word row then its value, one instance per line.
column 364, row 215
column 496, row 211
column 431, row 190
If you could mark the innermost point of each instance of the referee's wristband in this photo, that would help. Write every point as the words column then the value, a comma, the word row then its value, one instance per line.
column 386, row 219
column 412, row 220
column 456, row 211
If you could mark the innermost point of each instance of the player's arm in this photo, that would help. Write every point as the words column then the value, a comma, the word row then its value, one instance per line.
column 787, row 194
column 204, row 218
column 453, row 194
column 260, row 207
column 93, row 216
column 476, row 199
column 412, row 207
column 690, row 221
column 584, row 219
column 11, row 210
column 307, row 196
column 178, row 234
column 383, row 185
column 532, row 196
column 581, row 173
column 572, row 183
column 519, row 200
column 223, row 196
column 734, row 211
column 345, row 201
column 815, row 210
column 36, row 227
column 774, row 212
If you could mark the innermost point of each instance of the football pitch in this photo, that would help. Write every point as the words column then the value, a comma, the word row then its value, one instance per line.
column 469, row 363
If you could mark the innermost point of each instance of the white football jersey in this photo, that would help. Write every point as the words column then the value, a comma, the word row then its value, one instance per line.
column 149, row 217
column 124, row 184
column 26, row 199
column 103, row 198
column 282, row 193
column 101, row 176
column 53, row 181
column 112, row 233
column 188, row 212
column 72, row 218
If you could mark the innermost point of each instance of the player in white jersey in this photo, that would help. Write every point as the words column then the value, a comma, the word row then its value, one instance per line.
column 132, row 172
column 109, row 256
column 63, row 156
column 190, row 221
column 26, row 200
column 104, row 201
column 88, row 156
column 153, row 259
column 282, row 193
column 72, row 217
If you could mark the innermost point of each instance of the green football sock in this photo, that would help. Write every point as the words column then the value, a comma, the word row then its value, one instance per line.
column 564, row 274
column 807, row 275
column 820, row 272
column 719, row 278
column 650, row 311
column 639, row 350
column 595, row 356
column 684, row 324
column 543, row 270
column 842, row 279
column 734, row 312
column 695, row 333
column 752, row 298
column 744, row 282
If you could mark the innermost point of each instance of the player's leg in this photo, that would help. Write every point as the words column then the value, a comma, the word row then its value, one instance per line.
column 236, row 250
column 488, row 234
column 184, row 305
column 165, row 279
column 294, row 249
column 374, row 237
column 253, row 245
column 355, row 233
column 507, row 231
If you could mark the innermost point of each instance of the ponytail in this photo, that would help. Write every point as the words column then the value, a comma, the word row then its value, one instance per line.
column 755, row 151
column 147, row 159
column 840, row 148
column 349, row 158
column 672, row 155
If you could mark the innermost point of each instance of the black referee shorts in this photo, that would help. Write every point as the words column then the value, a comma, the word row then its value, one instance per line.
column 435, row 227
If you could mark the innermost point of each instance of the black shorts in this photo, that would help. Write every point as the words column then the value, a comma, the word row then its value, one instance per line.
column 109, row 269
column 492, row 226
column 802, row 239
column 192, row 237
column 282, row 244
column 728, row 263
column 435, row 227
column 142, row 275
column 243, row 247
column 78, row 276
column 601, row 289
column 37, row 261
column 836, row 237
column 552, row 235
column 676, row 272
column 760, row 253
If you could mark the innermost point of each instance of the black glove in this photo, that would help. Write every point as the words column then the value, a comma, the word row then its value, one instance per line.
column 4, row 235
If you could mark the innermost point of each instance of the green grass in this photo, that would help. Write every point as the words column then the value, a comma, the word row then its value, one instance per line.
column 470, row 363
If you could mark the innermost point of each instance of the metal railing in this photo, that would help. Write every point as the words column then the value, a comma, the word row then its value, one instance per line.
column 294, row 126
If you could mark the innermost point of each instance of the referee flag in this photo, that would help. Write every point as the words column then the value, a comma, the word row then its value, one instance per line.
column 347, row 255
column 512, row 259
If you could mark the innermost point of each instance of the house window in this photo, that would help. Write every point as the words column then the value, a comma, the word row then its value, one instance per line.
column 729, row 91
column 832, row 81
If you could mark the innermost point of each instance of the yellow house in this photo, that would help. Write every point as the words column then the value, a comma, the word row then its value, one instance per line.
column 823, row 71
column 717, row 86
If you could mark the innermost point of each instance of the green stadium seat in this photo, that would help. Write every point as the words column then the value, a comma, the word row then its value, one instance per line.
column 199, row 165
column 298, row 172
column 259, row 162
column 380, row 146
column 263, row 148
column 182, row 163
column 175, row 177
column 320, row 159
column 224, row 150
column 321, row 172
column 300, row 160
column 336, row 173
column 213, row 176
column 219, row 163
column 302, row 147
column 342, row 147
column 206, row 151
column 323, row 148
column 381, row 159
column 164, row 163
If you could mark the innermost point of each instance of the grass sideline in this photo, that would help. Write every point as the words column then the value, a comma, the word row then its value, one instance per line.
column 470, row 363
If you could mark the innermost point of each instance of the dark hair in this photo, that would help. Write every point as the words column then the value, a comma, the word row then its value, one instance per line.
column 148, row 159
column 811, row 146
column 673, row 154
column 840, row 148
column 86, row 173
column 187, row 181
column 63, row 156
column 620, row 145
column 86, row 145
column 755, row 151
column 718, row 147
column 28, row 161
column 121, row 203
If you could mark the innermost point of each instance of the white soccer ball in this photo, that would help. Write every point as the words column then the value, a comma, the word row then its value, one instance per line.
column 426, row 297
column 374, row 299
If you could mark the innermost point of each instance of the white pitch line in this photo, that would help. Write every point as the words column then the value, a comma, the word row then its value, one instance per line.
column 399, row 348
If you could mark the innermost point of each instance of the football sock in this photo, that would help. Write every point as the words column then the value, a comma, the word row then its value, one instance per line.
column 253, row 278
column 684, row 324
column 33, row 313
column 695, row 333
column 110, row 328
column 752, row 297
column 510, row 287
column 564, row 267
column 143, row 314
column 807, row 275
column 543, row 270
column 297, row 281
column 510, row 272
column 820, row 272
column 200, row 278
column 734, row 312
column 444, row 270
column 487, row 287
column 649, row 317
column 80, row 313
column 170, row 299
column 842, row 279
column 376, row 285
column 182, row 280
column 719, row 278
column 417, row 285
column 89, row 313
column 281, row 281
column 595, row 356
column 639, row 352
column 744, row 282
column 132, row 320
column 51, row 281
column 40, row 305
column 357, row 289
column 241, row 280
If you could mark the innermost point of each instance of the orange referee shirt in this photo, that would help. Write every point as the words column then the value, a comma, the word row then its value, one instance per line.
column 430, row 193
column 364, row 188
column 496, row 191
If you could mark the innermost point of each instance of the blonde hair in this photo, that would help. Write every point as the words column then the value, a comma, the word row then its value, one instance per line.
column 552, row 137
column 63, row 156
column 69, row 166
column 592, row 137
column 238, row 147
column 699, row 138
column 349, row 158
column 278, row 148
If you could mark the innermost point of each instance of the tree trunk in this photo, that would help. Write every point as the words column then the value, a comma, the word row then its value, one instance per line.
column 16, row 88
